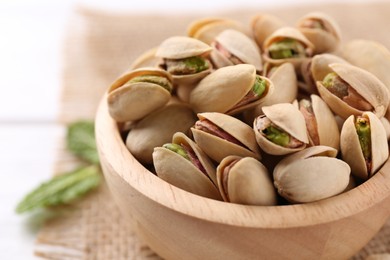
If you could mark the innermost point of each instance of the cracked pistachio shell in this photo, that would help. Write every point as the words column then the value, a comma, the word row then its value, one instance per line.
column 328, row 131
column 248, row 182
column 180, row 172
column 133, row 101
column 285, row 90
column 287, row 33
column 287, row 117
column 324, row 40
column 316, row 68
column 157, row 129
column 224, row 88
column 181, row 47
column 207, row 29
column 364, row 83
column 240, row 46
column 263, row 25
column 313, row 151
column 146, row 59
column 371, row 56
column 217, row 148
column 351, row 151
column 312, row 179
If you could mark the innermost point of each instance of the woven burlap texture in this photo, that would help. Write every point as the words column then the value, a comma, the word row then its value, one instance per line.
column 99, row 47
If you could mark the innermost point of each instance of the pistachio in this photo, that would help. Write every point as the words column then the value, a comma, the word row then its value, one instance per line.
column 220, row 135
column 350, row 90
column 245, row 181
column 281, row 130
column 364, row 144
column 312, row 179
column 322, row 30
column 127, row 95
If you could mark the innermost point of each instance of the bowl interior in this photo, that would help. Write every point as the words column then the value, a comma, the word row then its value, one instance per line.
column 111, row 146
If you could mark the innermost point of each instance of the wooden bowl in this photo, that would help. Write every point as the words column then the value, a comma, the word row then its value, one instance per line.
column 179, row 225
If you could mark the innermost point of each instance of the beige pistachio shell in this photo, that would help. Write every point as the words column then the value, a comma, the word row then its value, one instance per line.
column 328, row 131
column 224, row 88
column 365, row 83
column 239, row 45
column 248, row 182
column 217, row 148
column 313, row 151
column 181, row 138
column 289, row 33
column 285, row 84
column 324, row 40
column 146, row 59
column 180, row 172
column 180, row 47
column 285, row 89
column 312, row 179
column 316, row 68
column 263, row 25
column 133, row 101
column 371, row 56
column 351, row 150
column 157, row 129
column 207, row 29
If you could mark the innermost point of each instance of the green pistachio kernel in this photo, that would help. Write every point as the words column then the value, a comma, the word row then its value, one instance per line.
column 187, row 66
column 276, row 136
column 259, row 86
column 177, row 149
column 161, row 81
column 364, row 133
column 287, row 48
column 335, row 85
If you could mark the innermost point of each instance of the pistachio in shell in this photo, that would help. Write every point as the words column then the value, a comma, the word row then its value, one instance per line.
column 311, row 175
column 263, row 25
column 220, row 135
column 230, row 90
column 206, row 29
column 349, row 90
column 183, row 164
column 316, row 68
column 285, row 88
column 371, row 56
column 138, row 93
column 157, row 129
column 287, row 44
column 321, row 30
column 184, row 58
column 232, row 47
column 245, row 181
column 281, row 130
column 321, row 124
column 364, row 144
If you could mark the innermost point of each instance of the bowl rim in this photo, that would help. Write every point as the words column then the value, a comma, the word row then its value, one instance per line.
column 116, row 157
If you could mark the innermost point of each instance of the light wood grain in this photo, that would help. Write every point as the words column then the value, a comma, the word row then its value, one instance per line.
column 180, row 225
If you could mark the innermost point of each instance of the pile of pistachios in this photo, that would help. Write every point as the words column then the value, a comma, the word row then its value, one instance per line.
column 264, row 114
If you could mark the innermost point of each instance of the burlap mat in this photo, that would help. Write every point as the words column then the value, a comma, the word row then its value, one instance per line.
column 98, row 48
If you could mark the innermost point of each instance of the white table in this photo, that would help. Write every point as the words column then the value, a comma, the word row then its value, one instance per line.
column 30, row 72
